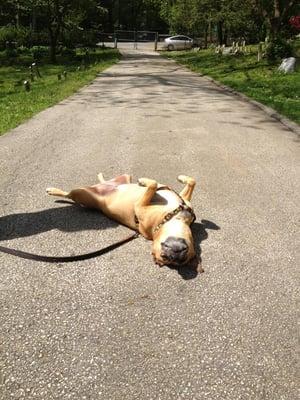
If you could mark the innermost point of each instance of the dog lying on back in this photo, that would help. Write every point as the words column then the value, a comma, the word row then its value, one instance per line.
column 156, row 211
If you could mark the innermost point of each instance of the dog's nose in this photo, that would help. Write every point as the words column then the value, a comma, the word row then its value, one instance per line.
column 174, row 249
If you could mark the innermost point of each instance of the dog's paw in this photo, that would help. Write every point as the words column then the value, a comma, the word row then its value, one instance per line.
column 186, row 179
column 147, row 182
column 141, row 182
column 56, row 192
column 50, row 190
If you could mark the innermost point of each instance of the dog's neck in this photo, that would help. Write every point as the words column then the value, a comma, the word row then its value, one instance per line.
column 177, row 226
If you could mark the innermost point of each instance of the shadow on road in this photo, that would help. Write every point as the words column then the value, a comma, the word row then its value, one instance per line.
column 67, row 219
column 75, row 218
column 200, row 234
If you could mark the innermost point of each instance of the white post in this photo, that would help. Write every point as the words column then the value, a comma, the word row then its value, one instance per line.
column 259, row 53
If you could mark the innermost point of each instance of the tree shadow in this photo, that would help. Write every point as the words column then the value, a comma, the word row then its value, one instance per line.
column 200, row 234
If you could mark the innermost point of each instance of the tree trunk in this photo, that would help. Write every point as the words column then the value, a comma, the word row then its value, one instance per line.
column 275, row 21
column 225, row 36
column 220, row 32
column 33, row 20
column 210, row 32
column 53, row 44
column 205, row 36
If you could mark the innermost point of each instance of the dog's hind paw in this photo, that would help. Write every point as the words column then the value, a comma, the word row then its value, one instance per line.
column 56, row 192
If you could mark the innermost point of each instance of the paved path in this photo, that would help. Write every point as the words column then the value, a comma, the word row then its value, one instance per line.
column 118, row 327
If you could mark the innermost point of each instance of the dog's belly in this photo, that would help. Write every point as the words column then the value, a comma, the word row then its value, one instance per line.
column 120, row 203
column 163, row 197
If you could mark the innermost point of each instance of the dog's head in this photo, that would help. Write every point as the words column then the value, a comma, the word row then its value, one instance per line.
column 173, row 244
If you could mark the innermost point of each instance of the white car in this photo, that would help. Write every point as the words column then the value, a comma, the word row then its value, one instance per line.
column 179, row 42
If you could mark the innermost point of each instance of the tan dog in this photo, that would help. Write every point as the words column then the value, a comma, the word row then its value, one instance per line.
column 154, row 210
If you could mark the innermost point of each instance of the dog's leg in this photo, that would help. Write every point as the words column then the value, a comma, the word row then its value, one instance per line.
column 101, row 177
column 82, row 196
column 151, row 186
column 118, row 180
column 57, row 192
column 187, row 191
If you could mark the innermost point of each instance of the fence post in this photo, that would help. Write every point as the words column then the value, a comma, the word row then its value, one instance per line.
column 259, row 52
column 115, row 41
column 135, row 41
column 156, row 40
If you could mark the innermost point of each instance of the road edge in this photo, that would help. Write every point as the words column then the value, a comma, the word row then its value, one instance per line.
column 291, row 125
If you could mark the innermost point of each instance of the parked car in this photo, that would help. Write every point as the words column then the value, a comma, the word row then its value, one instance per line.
column 179, row 42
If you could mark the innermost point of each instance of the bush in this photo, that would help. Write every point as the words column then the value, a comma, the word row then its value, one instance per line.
column 278, row 49
column 84, row 38
column 38, row 52
column 68, row 53
column 11, row 53
column 11, row 36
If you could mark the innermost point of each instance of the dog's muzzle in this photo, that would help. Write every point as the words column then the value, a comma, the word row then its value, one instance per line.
column 174, row 250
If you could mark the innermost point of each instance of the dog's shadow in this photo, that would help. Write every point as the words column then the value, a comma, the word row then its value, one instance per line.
column 75, row 218
column 200, row 234
column 67, row 219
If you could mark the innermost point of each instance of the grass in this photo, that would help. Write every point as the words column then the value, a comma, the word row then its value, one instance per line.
column 17, row 105
column 243, row 73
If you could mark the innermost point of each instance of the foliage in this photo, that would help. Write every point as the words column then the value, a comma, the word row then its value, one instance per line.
column 57, row 16
column 295, row 22
column 229, row 19
column 277, row 49
column 276, row 14
column 12, row 36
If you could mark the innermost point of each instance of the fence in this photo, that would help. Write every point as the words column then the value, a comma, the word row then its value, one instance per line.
column 132, row 39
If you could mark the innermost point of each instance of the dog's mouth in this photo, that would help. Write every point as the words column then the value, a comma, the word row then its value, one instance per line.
column 164, row 260
column 175, row 263
column 174, row 251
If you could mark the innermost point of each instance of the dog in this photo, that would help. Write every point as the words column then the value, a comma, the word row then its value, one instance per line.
column 154, row 210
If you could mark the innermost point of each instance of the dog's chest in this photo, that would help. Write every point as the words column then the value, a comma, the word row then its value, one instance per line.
column 166, row 197
column 162, row 197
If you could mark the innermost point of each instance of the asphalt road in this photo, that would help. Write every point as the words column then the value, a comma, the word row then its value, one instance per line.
column 118, row 327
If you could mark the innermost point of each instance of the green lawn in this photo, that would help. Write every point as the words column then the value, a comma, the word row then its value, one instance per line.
column 257, row 80
column 17, row 105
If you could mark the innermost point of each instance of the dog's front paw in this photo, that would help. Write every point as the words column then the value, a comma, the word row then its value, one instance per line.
column 186, row 179
column 142, row 182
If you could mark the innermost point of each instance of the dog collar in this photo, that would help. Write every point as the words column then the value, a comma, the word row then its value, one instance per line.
column 183, row 206
column 172, row 214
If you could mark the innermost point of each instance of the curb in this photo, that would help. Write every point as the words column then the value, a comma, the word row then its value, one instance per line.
column 290, row 125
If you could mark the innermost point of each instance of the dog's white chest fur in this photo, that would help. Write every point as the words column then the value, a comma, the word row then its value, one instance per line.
column 162, row 197
column 166, row 197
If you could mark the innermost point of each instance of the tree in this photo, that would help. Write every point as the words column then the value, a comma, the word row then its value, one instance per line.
column 63, row 14
column 56, row 15
column 275, row 14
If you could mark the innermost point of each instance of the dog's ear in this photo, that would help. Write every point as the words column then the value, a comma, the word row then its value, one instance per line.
column 196, row 264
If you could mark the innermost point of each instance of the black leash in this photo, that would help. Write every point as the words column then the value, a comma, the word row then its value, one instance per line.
column 87, row 256
column 80, row 257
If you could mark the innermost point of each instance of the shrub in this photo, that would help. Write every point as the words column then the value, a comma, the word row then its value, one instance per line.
column 86, row 38
column 278, row 49
column 11, row 36
column 11, row 53
column 38, row 52
column 68, row 53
